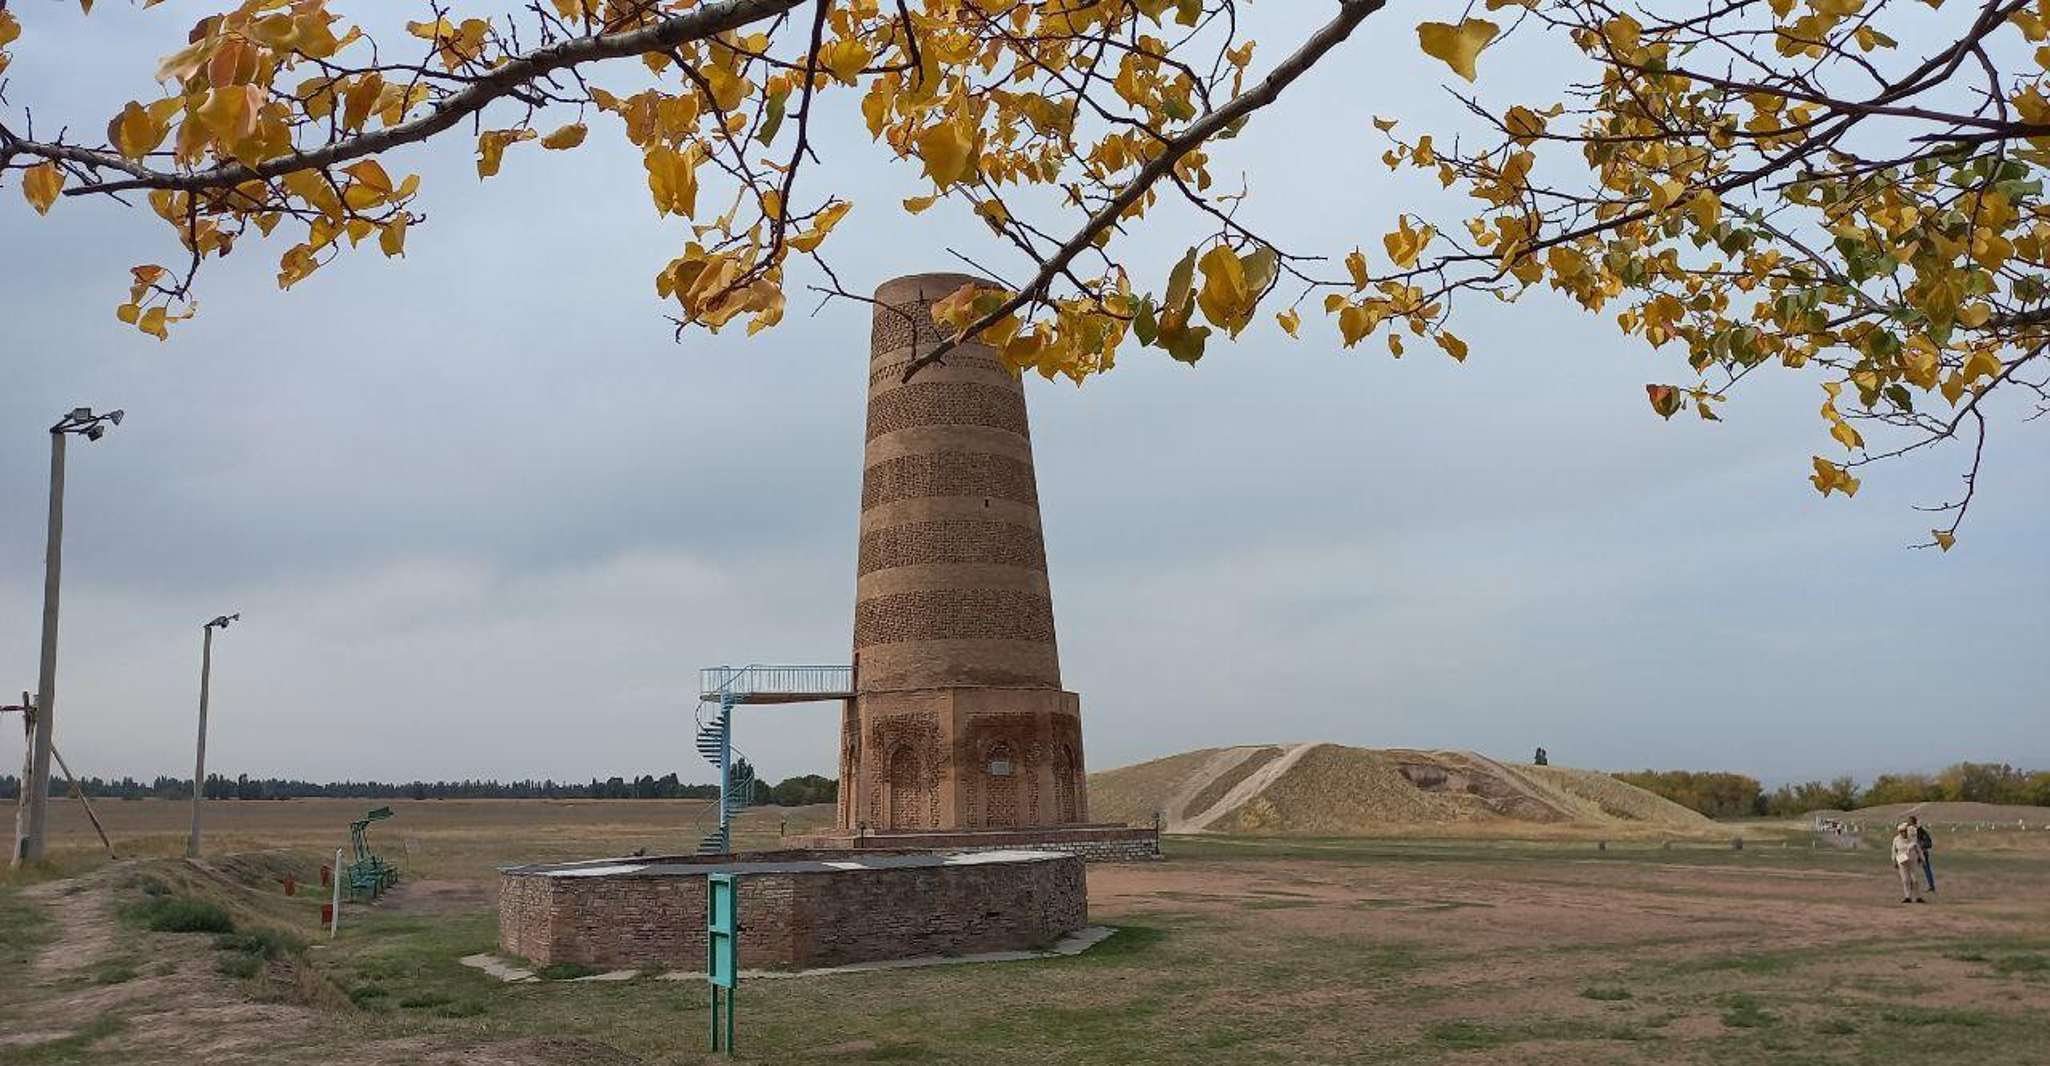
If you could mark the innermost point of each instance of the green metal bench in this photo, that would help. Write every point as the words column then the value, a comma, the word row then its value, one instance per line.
column 368, row 876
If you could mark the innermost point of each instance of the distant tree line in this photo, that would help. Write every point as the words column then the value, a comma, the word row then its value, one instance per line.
column 1728, row 795
column 790, row 792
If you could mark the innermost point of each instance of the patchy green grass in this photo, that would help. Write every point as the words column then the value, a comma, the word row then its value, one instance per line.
column 261, row 942
column 1466, row 1036
column 1606, row 993
column 179, row 914
column 241, row 967
column 1741, row 1010
column 24, row 928
column 65, row 1050
column 1914, row 1015
column 115, row 972
column 2012, row 965
column 564, row 971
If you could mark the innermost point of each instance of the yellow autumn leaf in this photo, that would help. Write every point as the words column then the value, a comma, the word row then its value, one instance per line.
column 1356, row 265
column 153, row 323
column 845, row 58
column 1226, row 297
column 565, row 137
column 135, row 132
column 1456, row 46
column 41, row 184
column 392, row 238
column 1290, row 321
column 948, row 149
column 491, row 145
column 1829, row 477
column 1406, row 243
column 371, row 174
column 828, row 217
column 227, row 114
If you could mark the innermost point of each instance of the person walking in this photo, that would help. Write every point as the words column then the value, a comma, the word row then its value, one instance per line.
column 1906, row 856
column 1922, row 841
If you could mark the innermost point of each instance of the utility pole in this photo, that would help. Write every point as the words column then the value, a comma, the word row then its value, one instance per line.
column 28, row 724
column 28, row 755
column 83, row 422
column 206, row 670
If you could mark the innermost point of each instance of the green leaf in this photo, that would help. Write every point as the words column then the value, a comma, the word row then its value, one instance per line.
column 1144, row 325
column 1261, row 268
column 772, row 120
column 1178, row 282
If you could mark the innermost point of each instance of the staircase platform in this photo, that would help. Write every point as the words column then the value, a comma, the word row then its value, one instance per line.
column 759, row 683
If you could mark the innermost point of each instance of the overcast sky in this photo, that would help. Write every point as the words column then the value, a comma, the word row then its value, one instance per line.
column 484, row 518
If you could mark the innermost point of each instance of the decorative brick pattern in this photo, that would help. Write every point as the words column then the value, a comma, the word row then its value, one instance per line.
column 997, row 797
column 895, row 326
column 947, row 403
column 953, row 614
column 792, row 918
column 907, row 748
column 952, row 540
column 958, row 359
column 1064, row 777
column 928, row 474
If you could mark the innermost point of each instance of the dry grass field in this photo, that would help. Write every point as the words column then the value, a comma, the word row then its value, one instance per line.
column 1236, row 949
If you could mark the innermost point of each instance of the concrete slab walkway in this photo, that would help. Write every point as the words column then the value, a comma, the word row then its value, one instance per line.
column 1072, row 944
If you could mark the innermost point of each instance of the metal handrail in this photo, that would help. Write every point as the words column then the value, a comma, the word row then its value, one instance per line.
column 760, row 678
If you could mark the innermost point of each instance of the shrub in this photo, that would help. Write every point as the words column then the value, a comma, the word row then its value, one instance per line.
column 260, row 942
column 115, row 972
column 177, row 914
column 235, row 964
column 1742, row 1012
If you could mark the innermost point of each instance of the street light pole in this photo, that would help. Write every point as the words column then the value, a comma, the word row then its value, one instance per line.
column 206, row 670
column 82, row 421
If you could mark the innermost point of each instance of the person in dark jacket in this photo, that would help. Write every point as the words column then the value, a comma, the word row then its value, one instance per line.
column 1925, row 844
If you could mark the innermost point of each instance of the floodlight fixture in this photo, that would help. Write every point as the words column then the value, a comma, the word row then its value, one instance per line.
column 83, row 422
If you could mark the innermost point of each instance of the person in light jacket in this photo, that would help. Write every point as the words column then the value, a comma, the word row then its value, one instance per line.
column 1907, row 855
column 1927, row 845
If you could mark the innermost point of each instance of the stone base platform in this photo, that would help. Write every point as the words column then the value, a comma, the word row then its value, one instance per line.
column 1093, row 843
column 798, row 909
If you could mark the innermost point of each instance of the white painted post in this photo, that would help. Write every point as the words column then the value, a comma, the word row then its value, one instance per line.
column 335, row 922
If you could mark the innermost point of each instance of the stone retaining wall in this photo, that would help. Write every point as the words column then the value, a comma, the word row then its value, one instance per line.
column 827, row 909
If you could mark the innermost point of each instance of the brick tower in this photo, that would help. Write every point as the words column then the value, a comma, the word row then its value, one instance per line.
column 958, row 721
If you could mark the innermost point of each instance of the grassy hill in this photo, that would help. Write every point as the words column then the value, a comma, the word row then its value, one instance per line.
column 1334, row 790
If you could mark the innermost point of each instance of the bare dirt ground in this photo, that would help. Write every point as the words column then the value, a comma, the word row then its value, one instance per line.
column 1235, row 950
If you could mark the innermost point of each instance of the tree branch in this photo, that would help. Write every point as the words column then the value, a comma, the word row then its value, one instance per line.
column 719, row 16
column 1350, row 14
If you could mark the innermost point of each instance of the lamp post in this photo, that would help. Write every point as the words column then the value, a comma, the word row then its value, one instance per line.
column 206, row 670
column 82, row 422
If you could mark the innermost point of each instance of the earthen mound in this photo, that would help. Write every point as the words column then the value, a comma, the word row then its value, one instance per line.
column 1334, row 790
